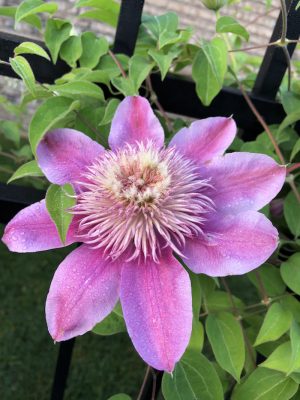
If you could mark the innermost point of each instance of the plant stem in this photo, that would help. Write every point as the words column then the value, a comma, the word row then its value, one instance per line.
column 270, row 135
column 262, row 289
column 262, row 121
column 154, row 378
column 155, row 100
column 284, row 20
column 250, row 23
column 262, row 46
column 6, row 170
column 8, row 155
column 231, row 299
column 288, row 61
column 5, row 63
column 118, row 64
column 293, row 167
column 144, row 382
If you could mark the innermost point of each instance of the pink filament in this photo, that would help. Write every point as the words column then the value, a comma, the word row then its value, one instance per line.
column 141, row 199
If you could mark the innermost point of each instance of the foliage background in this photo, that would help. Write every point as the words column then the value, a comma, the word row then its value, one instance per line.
column 246, row 334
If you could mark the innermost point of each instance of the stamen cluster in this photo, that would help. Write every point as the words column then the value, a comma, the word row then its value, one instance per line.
column 141, row 199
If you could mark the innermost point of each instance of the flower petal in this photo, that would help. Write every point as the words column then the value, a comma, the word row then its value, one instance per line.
column 205, row 138
column 84, row 290
column 134, row 121
column 244, row 181
column 237, row 244
column 63, row 154
column 33, row 230
column 156, row 302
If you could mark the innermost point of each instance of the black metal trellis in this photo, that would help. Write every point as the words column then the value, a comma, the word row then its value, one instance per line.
column 177, row 95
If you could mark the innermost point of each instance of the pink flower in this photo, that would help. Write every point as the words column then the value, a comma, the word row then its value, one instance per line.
column 137, row 204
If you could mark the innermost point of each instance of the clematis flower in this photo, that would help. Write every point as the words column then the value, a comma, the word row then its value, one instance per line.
column 137, row 205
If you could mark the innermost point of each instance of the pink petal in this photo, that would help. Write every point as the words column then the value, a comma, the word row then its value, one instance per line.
column 63, row 154
column 205, row 138
column 156, row 302
column 84, row 290
column 237, row 244
column 244, row 181
column 134, row 121
column 33, row 230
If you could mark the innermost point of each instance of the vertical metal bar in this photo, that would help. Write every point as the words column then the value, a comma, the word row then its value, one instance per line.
column 62, row 369
column 274, row 64
column 128, row 26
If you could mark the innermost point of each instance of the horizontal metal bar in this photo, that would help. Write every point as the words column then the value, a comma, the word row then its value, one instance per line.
column 176, row 94
column 13, row 198
column 44, row 71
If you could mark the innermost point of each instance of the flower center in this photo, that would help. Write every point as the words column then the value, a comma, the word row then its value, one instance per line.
column 141, row 199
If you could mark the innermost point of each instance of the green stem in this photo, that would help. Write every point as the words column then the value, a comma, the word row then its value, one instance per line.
column 284, row 20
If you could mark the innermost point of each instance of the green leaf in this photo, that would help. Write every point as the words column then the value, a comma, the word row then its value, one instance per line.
column 106, row 11
column 162, row 60
column 226, row 338
column 197, row 336
column 77, row 89
column 209, row 68
column 295, row 150
column 31, row 7
column 112, row 324
column 293, row 305
column 194, row 377
column 33, row 20
column 282, row 360
column 219, row 301
column 22, row 68
column 108, row 65
column 207, row 285
column 290, row 101
column 56, row 33
column 276, row 322
column 230, row 25
column 265, row 384
column 58, row 200
column 256, row 147
column 84, row 74
column 271, row 279
column 290, row 119
column 291, row 212
column 295, row 347
column 139, row 69
column 71, row 50
column 290, row 272
column 31, row 48
column 196, row 293
column 156, row 25
column 93, row 115
column 93, row 49
column 11, row 131
column 167, row 38
column 29, row 169
column 109, row 111
column 48, row 115
column 124, row 85
column 120, row 396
